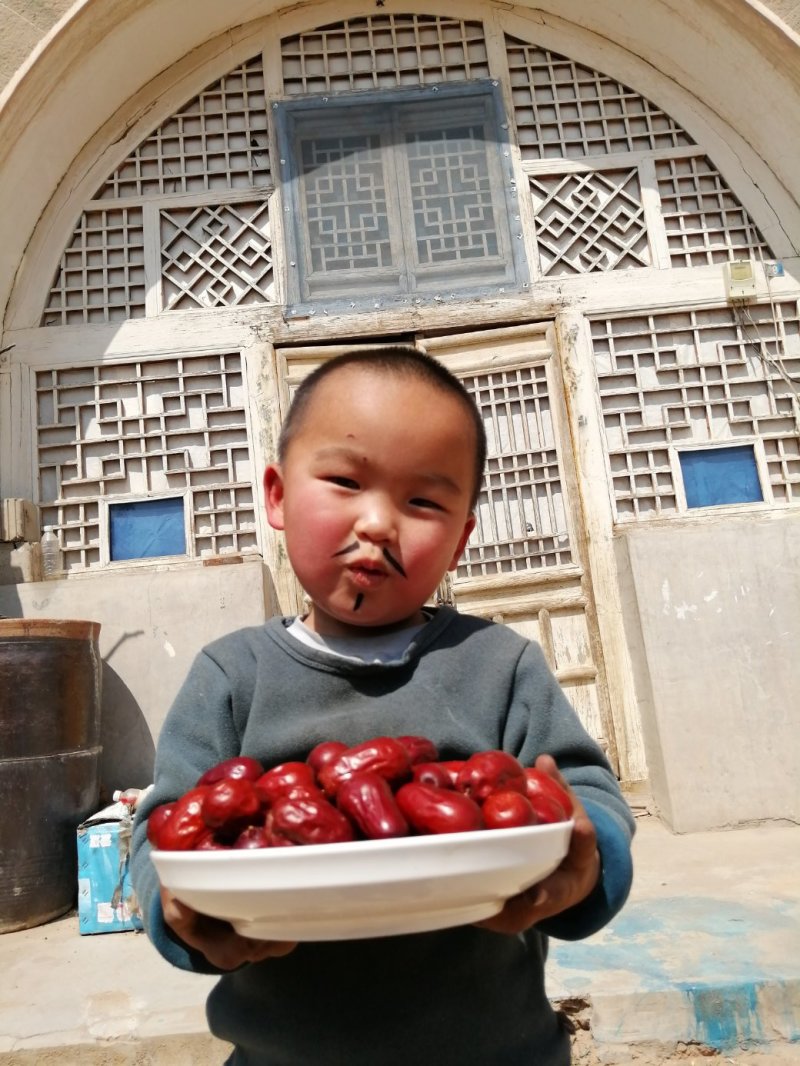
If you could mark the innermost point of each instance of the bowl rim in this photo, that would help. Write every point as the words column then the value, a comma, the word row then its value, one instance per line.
column 345, row 849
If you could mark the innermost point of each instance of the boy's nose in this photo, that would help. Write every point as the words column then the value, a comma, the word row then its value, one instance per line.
column 375, row 521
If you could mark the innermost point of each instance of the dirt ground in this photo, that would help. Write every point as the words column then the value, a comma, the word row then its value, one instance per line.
column 201, row 1051
column 584, row 1053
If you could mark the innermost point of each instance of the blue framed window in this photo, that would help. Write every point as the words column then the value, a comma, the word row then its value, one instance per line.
column 146, row 529
column 716, row 476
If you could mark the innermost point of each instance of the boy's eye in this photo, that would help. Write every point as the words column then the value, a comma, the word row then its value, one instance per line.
column 343, row 482
column 421, row 501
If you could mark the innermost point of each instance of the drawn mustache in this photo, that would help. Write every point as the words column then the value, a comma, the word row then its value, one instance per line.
column 390, row 559
column 347, row 548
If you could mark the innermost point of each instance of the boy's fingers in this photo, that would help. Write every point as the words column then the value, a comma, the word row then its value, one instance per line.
column 217, row 940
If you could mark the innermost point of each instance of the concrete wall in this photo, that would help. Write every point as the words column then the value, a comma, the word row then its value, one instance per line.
column 153, row 624
column 712, row 610
column 23, row 23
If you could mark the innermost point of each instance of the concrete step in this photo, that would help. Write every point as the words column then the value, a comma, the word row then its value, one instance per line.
column 705, row 953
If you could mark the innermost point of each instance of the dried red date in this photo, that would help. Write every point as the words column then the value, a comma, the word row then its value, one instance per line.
column 452, row 767
column 544, row 793
column 508, row 810
column 305, row 820
column 209, row 841
column 185, row 825
column 419, row 749
column 490, row 771
column 438, row 810
column 231, row 803
column 367, row 800
column 383, row 755
column 236, row 767
column 432, row 773
column 158, row 816
column 326, row 752
column 254, row 836
column 283, row 779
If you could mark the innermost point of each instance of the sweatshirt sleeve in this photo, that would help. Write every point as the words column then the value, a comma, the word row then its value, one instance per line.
column 542, row 721
column 198, row 732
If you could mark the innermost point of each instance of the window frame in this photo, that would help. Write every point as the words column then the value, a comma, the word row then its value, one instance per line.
column 391, row 114
column 104, row 520
column 685, row 511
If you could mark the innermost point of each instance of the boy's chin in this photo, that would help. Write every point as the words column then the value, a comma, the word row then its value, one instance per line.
column 340, row 623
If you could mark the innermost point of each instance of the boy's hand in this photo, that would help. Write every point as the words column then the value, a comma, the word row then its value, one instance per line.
column 569, row 884
column 217, row 940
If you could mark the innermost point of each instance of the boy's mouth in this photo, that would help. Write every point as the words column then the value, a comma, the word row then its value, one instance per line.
column 367, row 575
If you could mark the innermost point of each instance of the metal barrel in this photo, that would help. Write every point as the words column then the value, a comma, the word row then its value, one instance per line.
column 50, row 686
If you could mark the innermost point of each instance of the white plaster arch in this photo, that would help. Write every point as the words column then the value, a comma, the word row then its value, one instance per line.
column 727, row 67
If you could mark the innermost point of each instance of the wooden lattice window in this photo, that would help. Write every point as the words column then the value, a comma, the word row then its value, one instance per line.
column 217, row 141
column 101, row 276
column 522, row 509
column 216, row 255
column 394, row 194
column 156, row 428
column 180, row 206
column 383, row 51
column 704, row 221
column 678, row 380
column 592, row 149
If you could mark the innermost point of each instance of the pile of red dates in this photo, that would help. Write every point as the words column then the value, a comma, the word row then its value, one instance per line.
column 384, row 788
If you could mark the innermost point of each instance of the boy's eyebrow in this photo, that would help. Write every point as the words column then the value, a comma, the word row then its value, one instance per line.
column 343, row 451
column 440, row 481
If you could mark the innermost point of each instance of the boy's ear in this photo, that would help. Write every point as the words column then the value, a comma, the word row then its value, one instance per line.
column 469, row 525
column 273, row 495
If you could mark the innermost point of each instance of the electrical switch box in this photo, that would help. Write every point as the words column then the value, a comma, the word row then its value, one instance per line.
column 740, row 279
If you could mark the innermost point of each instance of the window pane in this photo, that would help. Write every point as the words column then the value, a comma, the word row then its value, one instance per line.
column 147, row 528
column 719, row 476
column 454, row 216
column 344, row 195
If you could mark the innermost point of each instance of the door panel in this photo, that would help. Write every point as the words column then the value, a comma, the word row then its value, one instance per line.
column 525, row 564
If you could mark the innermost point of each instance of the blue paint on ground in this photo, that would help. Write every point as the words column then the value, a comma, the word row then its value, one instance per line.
column 723, row 957
column 726, row 1017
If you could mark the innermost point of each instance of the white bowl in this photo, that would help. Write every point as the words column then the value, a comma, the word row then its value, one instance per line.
column 368, row 888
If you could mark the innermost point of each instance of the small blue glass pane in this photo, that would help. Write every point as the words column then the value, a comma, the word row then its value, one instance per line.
column 720, row 475
column 147, row 528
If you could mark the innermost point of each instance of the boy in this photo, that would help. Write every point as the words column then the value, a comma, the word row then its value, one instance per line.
column 380, row 463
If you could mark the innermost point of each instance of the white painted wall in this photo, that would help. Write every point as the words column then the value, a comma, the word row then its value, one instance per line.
column 153, row 623
column 712, row 612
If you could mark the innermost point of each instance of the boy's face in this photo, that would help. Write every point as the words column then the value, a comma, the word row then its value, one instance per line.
column 374, row 497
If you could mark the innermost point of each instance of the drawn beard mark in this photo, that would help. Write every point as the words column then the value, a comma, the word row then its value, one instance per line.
column 359, row 601
column 390, row 559
column 346, row 549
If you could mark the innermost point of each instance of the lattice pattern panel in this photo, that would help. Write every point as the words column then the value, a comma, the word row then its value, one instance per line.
column 589, row 222
column 522, row 518
column 101, row 274
column 219, row 140
column 383, row 51
column 705, row 223
column 345, row 203
column 216, row 256
column 691, row 377
column 451, row 193
column 565, row 110
column 160, row 427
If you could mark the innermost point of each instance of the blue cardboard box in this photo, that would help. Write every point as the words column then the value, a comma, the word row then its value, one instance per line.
column 106, row 900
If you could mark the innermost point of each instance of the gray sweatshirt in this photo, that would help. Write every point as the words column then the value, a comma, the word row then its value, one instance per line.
column 459, row 997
